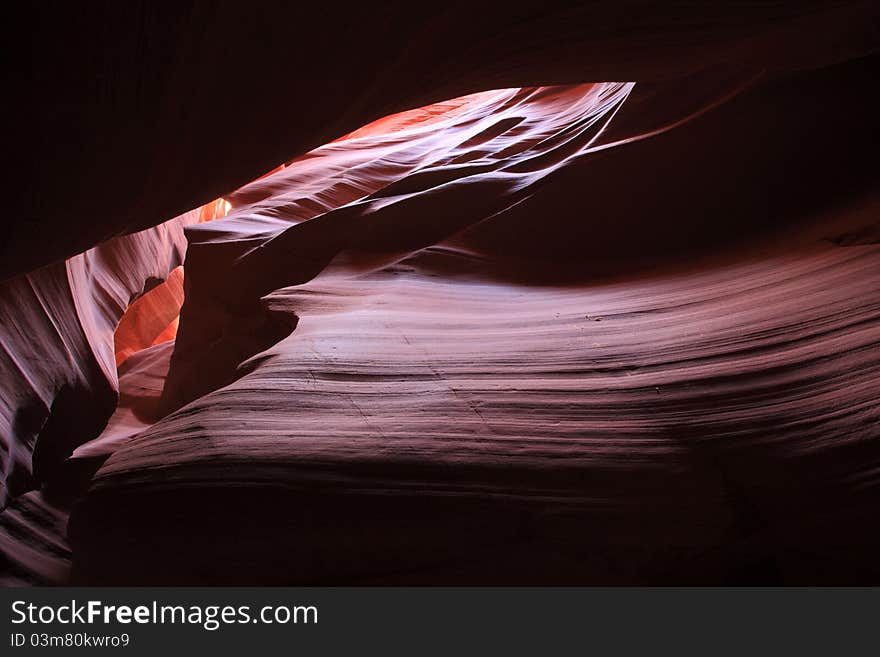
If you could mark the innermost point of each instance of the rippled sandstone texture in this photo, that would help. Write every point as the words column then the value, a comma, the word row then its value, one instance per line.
column 620, row 332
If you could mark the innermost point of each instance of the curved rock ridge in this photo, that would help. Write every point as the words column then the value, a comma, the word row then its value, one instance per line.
column 287, row 227
column 433, row 422
column 60, row 349
column 389, row 190
column 495, row 341
column 536, row 330
column 543, row 173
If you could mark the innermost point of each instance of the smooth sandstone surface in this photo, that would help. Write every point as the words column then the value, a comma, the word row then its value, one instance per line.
column 552, row 331
column 466, row 413
column 683, row 428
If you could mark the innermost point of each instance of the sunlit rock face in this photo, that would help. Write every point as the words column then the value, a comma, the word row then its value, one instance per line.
column 585, row 333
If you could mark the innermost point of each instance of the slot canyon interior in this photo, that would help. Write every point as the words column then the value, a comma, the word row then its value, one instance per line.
column 457, row 293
